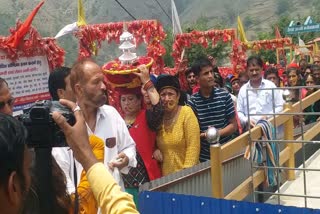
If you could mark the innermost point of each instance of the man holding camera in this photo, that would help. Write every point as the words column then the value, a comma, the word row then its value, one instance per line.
column 102, row 120
column 16, row 165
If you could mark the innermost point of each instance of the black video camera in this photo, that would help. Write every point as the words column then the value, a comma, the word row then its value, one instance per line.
column 43, row 132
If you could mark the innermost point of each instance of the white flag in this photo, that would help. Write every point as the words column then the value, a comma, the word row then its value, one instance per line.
column 176, row 27
column 302, row 47
column 70, row 28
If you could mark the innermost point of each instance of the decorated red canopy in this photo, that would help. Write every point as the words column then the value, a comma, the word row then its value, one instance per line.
column 185, row 40
column 149, row 31
column 16, row 46
column 26, row 60
column 34, row 45
column 271, row 44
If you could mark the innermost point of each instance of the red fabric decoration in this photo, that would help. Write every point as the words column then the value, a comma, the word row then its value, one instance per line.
column 293, row 65
column 199, row 37
column 16, row 46
column 225, row 71
column 23, row 29
column 34, row 45
column 124, row 91
column 238, row 57
column 115, row 66
column 148, row 31
column 185, row 40
column 268, row 44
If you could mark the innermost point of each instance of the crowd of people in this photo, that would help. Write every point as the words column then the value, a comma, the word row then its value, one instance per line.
column 159, row 129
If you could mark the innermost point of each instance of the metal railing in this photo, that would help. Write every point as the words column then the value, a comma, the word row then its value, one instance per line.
column 286, row 156
column 228, row 175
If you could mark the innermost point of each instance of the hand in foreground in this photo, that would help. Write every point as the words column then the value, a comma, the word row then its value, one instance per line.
column 120, row 162
column 157, row 155
column 252, row 123
column 203, row 136
column 76, row 136
column 144, row 73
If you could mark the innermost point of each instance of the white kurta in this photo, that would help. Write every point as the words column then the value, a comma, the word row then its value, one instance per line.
column 109, row 125
column 259, row 101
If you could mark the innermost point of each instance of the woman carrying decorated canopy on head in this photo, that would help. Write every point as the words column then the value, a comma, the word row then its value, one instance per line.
column 142, row 125
column 178, row 138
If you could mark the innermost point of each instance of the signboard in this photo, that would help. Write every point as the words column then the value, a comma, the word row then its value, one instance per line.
column 303, row 28
column 27, row 78
column 308, row 26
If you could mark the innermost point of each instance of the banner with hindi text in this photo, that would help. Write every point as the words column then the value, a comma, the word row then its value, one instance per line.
column 27, row 78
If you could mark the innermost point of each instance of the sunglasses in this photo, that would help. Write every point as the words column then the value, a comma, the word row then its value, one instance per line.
column 10, row 102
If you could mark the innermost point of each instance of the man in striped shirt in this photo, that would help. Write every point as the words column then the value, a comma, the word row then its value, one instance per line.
column 212, row 106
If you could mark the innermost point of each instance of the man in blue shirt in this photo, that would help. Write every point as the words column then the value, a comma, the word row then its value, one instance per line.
column 212, row 106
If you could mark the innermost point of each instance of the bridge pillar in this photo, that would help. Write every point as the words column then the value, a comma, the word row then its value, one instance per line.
column 216, row 171
column 288, row 135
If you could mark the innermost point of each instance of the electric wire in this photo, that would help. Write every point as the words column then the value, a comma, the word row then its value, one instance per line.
column 163, row 10
column 125, row 10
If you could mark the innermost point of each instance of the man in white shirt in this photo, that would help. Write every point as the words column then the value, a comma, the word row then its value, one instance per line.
column 102, row 120
column 60, row 88
column 259, row 101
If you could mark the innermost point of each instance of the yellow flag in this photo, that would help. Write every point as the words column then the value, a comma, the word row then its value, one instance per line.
column 82, row 22
column 81, row 15
column 241, row 31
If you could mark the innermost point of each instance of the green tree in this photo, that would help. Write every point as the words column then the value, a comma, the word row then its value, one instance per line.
column 167, row 43
column 284, row 22
column 219, row 51
column 267, row 55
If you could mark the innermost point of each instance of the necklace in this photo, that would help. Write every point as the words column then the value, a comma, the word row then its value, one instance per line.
column 170, row 121
column 130, row 122
column 172, row 114
column 168, row 118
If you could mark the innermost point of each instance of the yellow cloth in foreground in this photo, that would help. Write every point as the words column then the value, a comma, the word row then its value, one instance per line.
column 107, row 192
column 180, row 143
column 87, row 202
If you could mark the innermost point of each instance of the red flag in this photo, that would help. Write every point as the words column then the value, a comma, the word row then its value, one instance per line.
column 277, row 33
column 13, row 40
